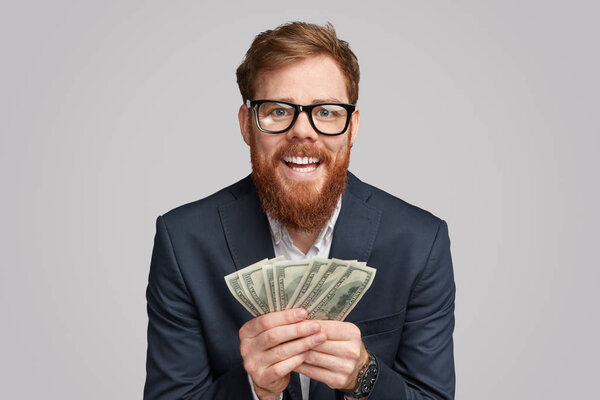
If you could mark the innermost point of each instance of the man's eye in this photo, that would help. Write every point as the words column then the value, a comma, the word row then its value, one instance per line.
column 279, row 112
column 324, row 113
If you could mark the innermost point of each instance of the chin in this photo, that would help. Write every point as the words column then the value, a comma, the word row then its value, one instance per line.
column 303, row 185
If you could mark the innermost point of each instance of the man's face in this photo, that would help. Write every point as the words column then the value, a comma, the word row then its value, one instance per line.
column 275, row 157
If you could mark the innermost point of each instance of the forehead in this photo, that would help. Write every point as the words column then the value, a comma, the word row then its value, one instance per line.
column 304, row 82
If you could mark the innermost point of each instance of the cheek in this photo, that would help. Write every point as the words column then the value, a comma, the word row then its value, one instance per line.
column 338, row 148
column 266, row 146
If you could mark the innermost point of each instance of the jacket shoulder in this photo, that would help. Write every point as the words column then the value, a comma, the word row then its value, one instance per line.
column 393, row 208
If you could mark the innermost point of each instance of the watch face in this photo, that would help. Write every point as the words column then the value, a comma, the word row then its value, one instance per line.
column 369, row 379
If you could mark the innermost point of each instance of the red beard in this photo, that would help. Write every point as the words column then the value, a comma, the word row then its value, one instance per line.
column 299, row 205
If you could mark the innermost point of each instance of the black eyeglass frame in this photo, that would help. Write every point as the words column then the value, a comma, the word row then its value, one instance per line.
column 254, row 104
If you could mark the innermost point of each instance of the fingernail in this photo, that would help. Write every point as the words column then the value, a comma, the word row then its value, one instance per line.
column 314, row 327
column 300, row 313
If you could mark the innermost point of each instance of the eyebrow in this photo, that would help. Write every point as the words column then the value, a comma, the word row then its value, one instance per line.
column 330, row 100
column 315, row 101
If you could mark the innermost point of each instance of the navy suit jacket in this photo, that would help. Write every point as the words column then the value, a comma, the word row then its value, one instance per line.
column 406, row 318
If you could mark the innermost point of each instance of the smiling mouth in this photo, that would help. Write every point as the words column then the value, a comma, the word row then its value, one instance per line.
column 302, row 163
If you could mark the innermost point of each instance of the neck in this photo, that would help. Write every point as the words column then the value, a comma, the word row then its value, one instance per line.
column 303, row 240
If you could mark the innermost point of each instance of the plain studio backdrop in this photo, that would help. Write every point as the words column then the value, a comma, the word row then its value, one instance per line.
column 484, row 113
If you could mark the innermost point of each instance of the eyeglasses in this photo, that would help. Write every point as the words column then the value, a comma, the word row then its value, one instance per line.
column 276, row 116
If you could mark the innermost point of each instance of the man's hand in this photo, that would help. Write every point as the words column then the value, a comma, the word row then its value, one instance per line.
column 275, row 344
column 336, row 362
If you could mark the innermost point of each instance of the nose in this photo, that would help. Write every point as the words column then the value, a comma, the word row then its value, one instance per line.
column 302, row 129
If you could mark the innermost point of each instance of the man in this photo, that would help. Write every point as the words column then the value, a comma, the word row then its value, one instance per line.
column 299, row 84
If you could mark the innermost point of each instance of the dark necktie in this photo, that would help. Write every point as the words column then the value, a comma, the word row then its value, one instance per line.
column 293, row 391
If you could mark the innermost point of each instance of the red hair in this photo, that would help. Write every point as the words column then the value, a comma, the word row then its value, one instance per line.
column 292, row 42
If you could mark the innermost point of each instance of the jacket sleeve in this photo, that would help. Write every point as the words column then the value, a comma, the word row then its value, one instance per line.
column 424, row 364
column 177, row 365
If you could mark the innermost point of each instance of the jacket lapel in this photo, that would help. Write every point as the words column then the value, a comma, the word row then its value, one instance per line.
column 357, row 224
column 246, row 226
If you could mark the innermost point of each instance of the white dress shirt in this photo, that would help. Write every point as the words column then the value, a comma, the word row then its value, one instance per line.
column 284, row 246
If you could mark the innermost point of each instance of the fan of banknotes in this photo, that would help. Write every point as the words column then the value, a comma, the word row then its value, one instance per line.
column 326, row 288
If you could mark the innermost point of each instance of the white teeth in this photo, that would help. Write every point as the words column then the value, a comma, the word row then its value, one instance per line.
column 307, row 169
column 301, row 160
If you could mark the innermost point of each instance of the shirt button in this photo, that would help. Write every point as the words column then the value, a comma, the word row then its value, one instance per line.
column 328, row 236
column 276, row 235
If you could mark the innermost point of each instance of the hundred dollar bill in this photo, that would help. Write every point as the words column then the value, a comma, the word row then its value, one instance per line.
column 267, row 271
column 312, row 272
column 328, row 275
column 254, row 286
column 233, row 283
column 287, row 276
column 341, row 298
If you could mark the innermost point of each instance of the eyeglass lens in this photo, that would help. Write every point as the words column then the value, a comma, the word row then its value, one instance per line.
column 327, row 118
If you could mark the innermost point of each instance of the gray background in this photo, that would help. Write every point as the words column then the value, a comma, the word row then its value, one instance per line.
column 485, row 113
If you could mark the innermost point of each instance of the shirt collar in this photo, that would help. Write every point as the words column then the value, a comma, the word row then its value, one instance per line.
column 279, row 232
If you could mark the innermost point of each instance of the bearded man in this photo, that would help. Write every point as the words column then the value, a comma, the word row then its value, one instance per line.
column 299, row 85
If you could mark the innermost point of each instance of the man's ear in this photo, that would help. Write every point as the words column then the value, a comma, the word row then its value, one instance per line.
column 245, row 128
column 355, row 119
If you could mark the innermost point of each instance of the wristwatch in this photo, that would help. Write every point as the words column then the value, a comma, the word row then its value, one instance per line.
column 365, row 380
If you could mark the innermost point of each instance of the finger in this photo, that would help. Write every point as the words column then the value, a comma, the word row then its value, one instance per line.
column 332, row 379
column 329, row 362
column 337, row 330
column 284, row 333
column 265, row 322
column 278, row 370
column 293, row 348
column 339, row 348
